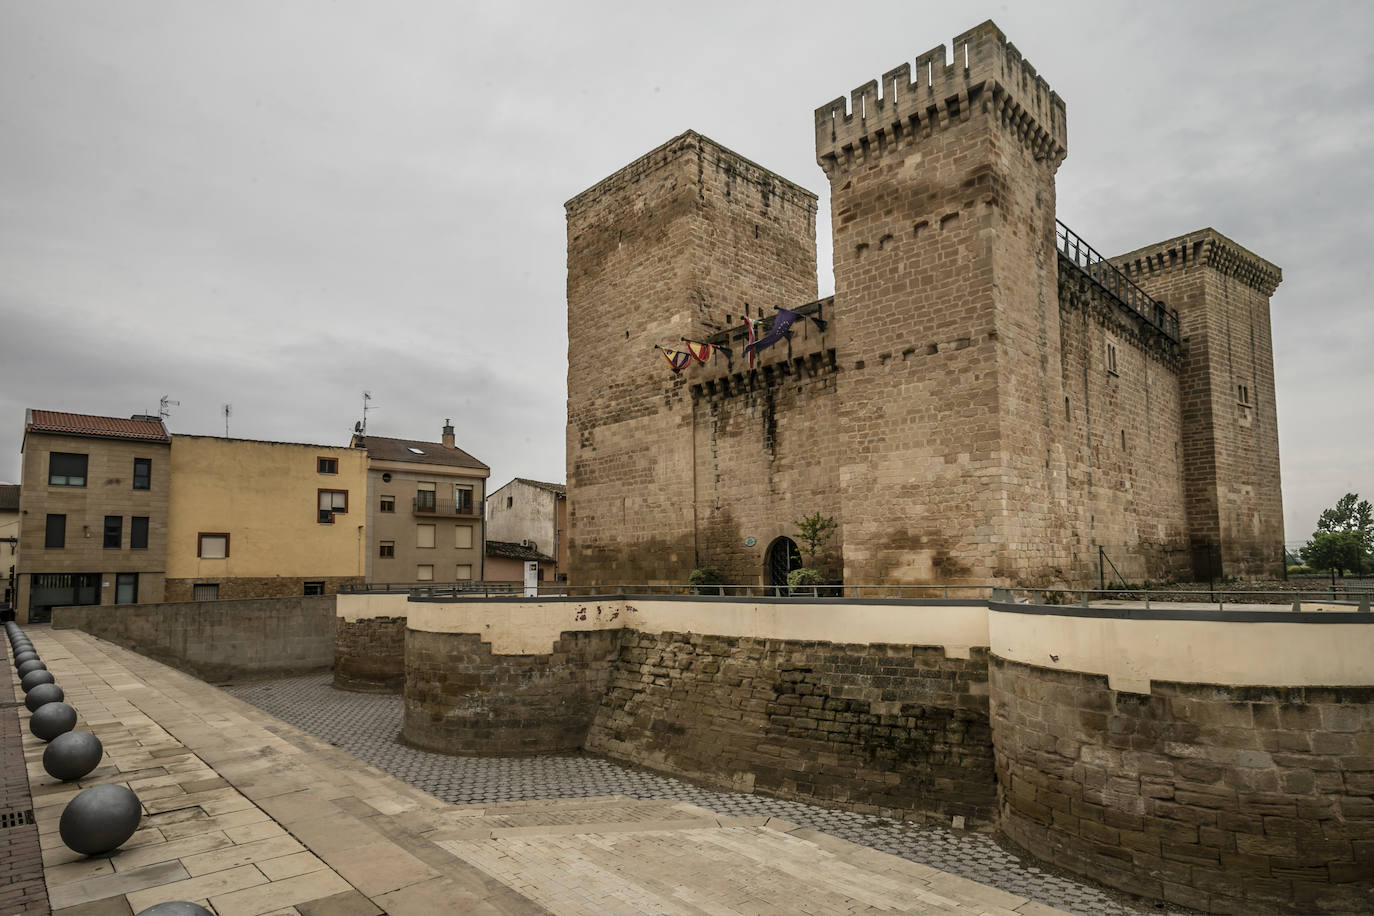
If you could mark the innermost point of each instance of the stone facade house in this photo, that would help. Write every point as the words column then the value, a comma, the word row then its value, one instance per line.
column 92, row 511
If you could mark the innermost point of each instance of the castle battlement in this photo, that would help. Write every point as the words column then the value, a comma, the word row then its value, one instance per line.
column 984, row 70
column 1208, row 248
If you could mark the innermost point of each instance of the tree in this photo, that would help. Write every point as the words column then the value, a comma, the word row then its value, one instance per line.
column 1344, row 535
column 1334, row 550
column 815, row 531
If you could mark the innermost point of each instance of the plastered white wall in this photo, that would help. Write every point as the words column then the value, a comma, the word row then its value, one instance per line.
column 1133, row 652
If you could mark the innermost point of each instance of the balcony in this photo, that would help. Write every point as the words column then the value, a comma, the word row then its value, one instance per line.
column 425, row 504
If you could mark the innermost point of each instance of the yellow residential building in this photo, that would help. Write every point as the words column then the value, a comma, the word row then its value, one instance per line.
column 252, row 519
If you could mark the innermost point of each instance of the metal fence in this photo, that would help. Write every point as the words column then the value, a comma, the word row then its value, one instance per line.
column 1353, row 597
column 1121, row 287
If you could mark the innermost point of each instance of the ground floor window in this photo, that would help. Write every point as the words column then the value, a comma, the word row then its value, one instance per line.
column 50, row 590
column 126, row 588
column 208, row 591
column 314, row 588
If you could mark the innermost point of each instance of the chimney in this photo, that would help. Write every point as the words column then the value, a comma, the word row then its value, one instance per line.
column 448, row 434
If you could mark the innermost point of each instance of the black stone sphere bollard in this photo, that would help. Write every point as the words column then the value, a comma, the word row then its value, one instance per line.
column 73, row 755
column 175, row 908
column 32, row 664
column 43, row 693
column 100, row 819
column 52, row 719
column 34, row 678
column 26, row 656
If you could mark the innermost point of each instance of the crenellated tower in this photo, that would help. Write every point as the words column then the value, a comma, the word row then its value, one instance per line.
column 679, row 243
column 943, row 207
column 1230, row 437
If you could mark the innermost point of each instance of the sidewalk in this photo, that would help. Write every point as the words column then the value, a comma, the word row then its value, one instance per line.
column 248, row 815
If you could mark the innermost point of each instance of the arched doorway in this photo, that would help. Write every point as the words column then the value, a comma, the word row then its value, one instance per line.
column 783, row 557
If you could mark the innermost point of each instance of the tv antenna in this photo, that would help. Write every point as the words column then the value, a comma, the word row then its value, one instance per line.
column 361, row 429
column 228, row 409
column 164, row 404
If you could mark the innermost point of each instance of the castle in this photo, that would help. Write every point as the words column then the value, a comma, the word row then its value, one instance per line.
column 985, row 399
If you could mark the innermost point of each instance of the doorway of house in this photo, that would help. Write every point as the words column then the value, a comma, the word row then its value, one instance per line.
column 783, row 557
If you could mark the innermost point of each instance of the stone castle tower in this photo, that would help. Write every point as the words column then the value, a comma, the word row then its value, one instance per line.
column 984, row 400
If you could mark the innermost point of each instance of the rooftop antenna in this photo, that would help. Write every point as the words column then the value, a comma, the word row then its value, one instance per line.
column 162, row 406
column 362, row 431
column 228, row 408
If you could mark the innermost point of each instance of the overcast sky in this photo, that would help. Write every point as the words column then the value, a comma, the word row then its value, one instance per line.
column 281, row 205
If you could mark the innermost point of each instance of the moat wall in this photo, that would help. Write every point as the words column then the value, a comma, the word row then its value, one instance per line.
column 1220, row 762
column 882, row 729
column 218, row 640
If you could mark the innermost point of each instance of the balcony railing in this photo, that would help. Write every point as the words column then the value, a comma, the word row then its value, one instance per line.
column 1122, row 288
column 446, row 508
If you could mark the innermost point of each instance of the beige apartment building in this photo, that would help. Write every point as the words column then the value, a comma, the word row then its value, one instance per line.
column 92, row 512
column 424, row 510
column 252, row 519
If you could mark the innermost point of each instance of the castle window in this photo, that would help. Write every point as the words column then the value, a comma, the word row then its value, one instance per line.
column 1243, row 394
column 1111, row 358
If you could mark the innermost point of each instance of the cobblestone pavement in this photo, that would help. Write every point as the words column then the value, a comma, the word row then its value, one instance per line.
column 367, row 725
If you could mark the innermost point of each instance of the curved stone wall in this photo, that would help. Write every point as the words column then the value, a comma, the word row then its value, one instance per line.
column 370, row 654
column 1221, row 798
column 462, row 699
column 885, row 729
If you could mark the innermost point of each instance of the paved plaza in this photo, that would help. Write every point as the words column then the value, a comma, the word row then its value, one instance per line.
column 248, row 814
column 367, row 726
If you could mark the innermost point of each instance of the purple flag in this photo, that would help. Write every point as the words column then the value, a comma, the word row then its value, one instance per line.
column 781, row 323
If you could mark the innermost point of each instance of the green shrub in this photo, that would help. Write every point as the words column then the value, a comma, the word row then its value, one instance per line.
column 708, row 576
column 1300, row 570
column 805, row 576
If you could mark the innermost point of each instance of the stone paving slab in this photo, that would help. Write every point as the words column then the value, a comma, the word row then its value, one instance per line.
column 367, row 726
column 248, row 815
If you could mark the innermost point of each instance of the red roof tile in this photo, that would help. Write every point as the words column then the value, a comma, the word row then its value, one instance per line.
column 80, row 424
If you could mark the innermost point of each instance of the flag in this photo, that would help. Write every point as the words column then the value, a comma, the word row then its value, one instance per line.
column 677, row 359
column 749, row 347
column 701, row 352
column 781, row 324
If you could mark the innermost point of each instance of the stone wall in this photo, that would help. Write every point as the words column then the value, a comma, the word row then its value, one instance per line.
column 1121, row 413
column 890, row 729
column 670, row 246
column 218, row 640
column 233, row 587
column 370, row 654
column 462, row 699
column 1221, row 799
column 1229, row 418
